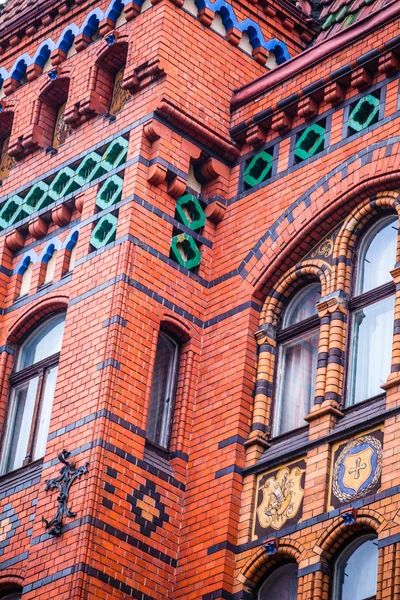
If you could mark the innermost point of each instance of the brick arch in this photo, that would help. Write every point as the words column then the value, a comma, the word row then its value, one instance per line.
column 11, row 579
column 112, row 52
column 177, row 326
column 354, row 227
column 33, row 315
column 338, row 533
column 259, row 563
column 323, row 205
column 306, row 270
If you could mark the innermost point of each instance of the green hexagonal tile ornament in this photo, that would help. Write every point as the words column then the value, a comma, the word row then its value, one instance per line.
column 184, row 251
column 258, row 169
column 110, row 192
column 310, row 142
column 39, row 196
column 364, row 113
column 87, row 171
column 64, row 183
column 189, row 212
column 104, row 231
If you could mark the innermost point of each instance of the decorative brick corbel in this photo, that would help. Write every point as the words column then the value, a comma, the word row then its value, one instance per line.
column 157, row 174
column 216, row 176
column 47, row 20
column 334, row 93
column 15, row 240
column 388, row 63
column 269, row 10
column 205, row 16
column 260, row 55
column 31, row 30
column 105, row 26
column 154, row 130
column 64, row 8
column 61, row 215
column 281, row 122
column 233, row 36
column 57, row 57
column 288, row 24
column 308, row 108
column 14, row 41
column 33, row 72
column 136, row 77
column 256, row 136
column 361, row 78
column 131, row 10
column 38, row 228
column 10, row 85
column 176, row 186
column 15, row 148
column 79, row 202
column 82, row 41
column 72, row 116
column 215, row 211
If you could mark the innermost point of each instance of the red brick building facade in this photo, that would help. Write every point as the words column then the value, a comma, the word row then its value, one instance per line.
column 200, row 299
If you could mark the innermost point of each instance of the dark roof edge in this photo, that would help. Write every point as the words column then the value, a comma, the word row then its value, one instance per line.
column 21, row 20
column 314, row 54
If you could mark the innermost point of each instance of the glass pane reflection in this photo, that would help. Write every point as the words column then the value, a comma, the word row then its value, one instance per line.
column 357, row 572
column 371, row 349
column 281, row 584
column 297, row 372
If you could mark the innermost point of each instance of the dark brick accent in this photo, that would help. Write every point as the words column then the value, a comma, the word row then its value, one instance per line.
column 109, row 362
column 117, row 319
column 227, row 471
column 234, row 439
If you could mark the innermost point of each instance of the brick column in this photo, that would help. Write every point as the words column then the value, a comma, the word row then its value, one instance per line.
column 332, row 311
column 261, row 425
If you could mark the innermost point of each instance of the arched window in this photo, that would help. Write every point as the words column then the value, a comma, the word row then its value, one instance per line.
column 163, row 390
column 372, row 312
column 356, row 570
column 297, row 360
column 31, row 398
column 281, row 584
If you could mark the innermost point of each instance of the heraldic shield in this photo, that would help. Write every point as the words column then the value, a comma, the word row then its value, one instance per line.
column 282, row 495
column 357, row 468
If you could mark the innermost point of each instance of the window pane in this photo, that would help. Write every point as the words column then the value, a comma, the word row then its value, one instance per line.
column 281, row 585
column 162, row 390
column 303, row 305
column 43, row 342
column 296, row 382
column 371, row 349
column 16, row 596
column 357, row 572
column 377, row 256
column 45, row 413
column 19, row 424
